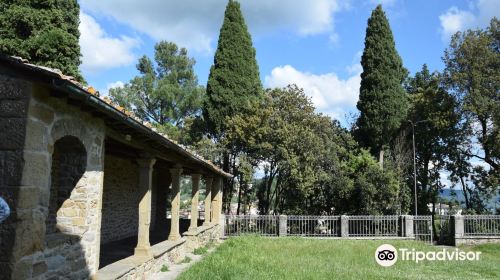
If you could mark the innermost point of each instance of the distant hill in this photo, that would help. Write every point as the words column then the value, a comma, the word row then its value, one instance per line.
column 459, row 196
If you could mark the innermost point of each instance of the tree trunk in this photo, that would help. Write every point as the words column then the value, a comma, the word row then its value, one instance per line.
column 239, row 195
column 226, row 182
column 465, row 190
column 433, row 217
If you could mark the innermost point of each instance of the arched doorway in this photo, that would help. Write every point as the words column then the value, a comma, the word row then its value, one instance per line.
column 69, row 162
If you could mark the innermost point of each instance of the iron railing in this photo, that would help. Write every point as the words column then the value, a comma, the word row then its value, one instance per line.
column 443, row 229
column 331, row 226
column 326, row 226
column 373, row 226
column 266, row 225
column 482, row 225
column 422, row 228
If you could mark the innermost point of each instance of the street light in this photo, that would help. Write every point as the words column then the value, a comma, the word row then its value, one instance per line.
column 413, row 124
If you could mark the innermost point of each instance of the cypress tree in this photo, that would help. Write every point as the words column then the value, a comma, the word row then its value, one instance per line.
column 382, row 99
column 234, row 82
column 233, row 89
column 44, row 32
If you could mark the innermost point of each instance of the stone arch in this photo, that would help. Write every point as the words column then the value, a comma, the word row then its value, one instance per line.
column 69, row 127
column 69, row 163
column 91, row 139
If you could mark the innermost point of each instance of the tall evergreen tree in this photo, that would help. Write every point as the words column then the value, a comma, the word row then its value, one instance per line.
column 44, row 32
column 166, row 92
column 233, row 89
column 234, row 80
column 382, row 99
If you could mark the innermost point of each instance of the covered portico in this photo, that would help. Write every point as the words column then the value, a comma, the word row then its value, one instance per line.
column 82, row 173
column 148, row 180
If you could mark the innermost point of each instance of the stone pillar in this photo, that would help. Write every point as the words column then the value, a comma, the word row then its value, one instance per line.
column 282, row 225
column 344, row 226
column 143, row 248
column 222, row 223
column 457, row 229
column 406, row 226
column 176, row 201
column 208, row 199
column 216, row 200
column 195, row 182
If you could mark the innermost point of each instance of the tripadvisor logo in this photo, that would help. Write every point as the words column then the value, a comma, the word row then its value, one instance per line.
column 387, row 255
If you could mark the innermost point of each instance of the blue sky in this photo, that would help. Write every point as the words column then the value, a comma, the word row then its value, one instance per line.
column 314, row 43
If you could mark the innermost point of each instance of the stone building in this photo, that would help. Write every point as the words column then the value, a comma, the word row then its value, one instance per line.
column 88, row 182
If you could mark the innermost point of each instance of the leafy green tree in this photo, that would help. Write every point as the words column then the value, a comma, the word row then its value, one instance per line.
column 312, row 165
column 44, row 32
column 375, row 191
column 166, row 92
column 382, row 99
column 285, row 143
column 472, row 62
column 471, row 73
column 435, row 117
column 233, row 88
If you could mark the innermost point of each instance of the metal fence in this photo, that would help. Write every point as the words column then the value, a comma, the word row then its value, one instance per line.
column 266, row 225
column 422, row 228
column 482, row 225
column 373, row 226
column 442, row 229
column 444, row 232
column 325, row 226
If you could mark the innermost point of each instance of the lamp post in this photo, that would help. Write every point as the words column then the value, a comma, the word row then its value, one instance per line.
column 413, row 124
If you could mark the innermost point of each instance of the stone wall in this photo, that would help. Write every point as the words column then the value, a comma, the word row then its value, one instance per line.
column 476, row 240
column 14, row 100
column 166, row 253
column 201, row 237
column 121, row 198
column 71, row 253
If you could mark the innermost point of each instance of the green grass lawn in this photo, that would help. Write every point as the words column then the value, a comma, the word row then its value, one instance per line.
column 252, row 257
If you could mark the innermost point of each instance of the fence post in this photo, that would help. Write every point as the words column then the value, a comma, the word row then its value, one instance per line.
column 222, row 224
column 406, row 226
column 457, row 228
column 283, row 219
column 344, row 226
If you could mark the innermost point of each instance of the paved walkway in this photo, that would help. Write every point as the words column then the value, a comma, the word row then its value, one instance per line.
column 176, row 269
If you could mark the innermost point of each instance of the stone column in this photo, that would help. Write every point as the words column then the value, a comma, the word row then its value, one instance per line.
column 216, row 200
column 344, row 226
column 195, row 182
column 176, row 201
column 406, row 226
column 143, row 248
column 208, row 200
column 219, row 200
column 457, row 228
column 282, row 229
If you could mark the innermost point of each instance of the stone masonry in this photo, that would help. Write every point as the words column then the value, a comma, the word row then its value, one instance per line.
column 120, row 199
column 68, row 193
column 72, row 251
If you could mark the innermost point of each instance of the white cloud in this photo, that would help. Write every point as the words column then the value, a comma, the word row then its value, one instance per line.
column 478, row 16
column 99, row 50
column 195, row 24
column 117, row 84
column 455, row 20
column 330, row 94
